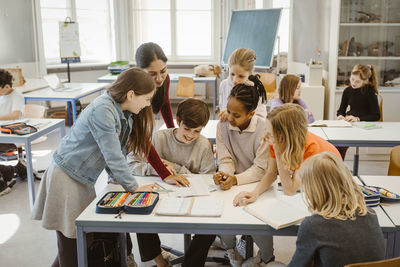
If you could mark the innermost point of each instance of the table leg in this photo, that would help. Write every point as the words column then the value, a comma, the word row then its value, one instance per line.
column 390, row 245
column 355, row 161
column 122, row 241
column 68, row 113
column 62, row 130
column 81, row 247
column 29, row 172
column 73, row 110
column 397, row 244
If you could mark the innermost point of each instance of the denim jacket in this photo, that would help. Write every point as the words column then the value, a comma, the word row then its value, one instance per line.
column 97, row 141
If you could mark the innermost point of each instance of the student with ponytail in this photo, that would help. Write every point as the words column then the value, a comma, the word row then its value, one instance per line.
column 241, row 67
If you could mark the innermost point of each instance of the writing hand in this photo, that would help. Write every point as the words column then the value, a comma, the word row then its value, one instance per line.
column 178, row 180
column 244, row 198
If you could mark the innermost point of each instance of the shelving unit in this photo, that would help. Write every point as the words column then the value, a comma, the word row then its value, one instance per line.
column 365, row 32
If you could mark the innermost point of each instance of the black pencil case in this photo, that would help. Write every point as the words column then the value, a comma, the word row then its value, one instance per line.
column 131, row 203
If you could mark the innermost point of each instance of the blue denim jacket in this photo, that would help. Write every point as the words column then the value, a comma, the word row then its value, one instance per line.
column 97, row 141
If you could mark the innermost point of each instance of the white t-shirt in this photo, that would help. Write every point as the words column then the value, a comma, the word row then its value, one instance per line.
column 12, row 102
column 225, row 89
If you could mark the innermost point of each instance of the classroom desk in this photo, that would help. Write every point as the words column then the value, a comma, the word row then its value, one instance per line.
column 47, row 94
column 392, row 209
column 44, row 127
column 174, row 77
column 234, row 220
column 386, row 136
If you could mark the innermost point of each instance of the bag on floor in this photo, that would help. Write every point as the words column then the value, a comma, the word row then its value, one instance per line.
column 104, row 250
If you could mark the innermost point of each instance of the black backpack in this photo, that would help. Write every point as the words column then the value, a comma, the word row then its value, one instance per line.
column 104, row 250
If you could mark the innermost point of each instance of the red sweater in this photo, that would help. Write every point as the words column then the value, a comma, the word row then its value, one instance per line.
column 154, row 158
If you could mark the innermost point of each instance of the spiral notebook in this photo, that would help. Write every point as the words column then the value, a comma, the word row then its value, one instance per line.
column 200, row 207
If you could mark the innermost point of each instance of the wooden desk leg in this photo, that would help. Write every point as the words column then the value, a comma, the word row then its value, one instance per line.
column 81, row 247
column 29, row 172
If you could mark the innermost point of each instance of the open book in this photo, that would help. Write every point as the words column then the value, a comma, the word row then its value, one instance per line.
column 330, row 123
column 278, row 210
column 202, row 207
column 198, row 187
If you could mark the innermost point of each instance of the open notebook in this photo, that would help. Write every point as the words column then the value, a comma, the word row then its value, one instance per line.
column 203, row 207
column 278, row 210
column 330, row 123
column 198, row 187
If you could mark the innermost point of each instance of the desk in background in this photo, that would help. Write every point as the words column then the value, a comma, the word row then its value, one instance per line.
column 391, row 183
column 174, row 79
column 48, row 94
column 234, row 220
column 44, row 127
column 386, row 136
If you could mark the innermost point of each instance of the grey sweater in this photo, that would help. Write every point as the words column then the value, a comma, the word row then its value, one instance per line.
column 196, row 157
column 337, row 243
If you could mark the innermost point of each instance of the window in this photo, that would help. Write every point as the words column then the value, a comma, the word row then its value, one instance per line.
column 95, row 33
column 183, row 28
column 283, row 31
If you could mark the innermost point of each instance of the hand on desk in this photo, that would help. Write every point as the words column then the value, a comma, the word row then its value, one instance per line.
column 148, row 188
column 244, row 198
column 170, row 166
column 351, row 118
column 177, row 179
column 225, row 181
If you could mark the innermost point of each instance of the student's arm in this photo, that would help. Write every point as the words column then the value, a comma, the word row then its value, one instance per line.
column 244, row 198
column 257, row 170
column 343, row 104
column 165, row 110
column 225, row 160
column 290, row 183
column 310, row 116
column 207, row 164
column 15, row 115
column 305, row 246
column 374, row 113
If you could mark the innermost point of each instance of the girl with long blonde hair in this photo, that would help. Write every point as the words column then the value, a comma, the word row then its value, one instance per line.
column 337, row 204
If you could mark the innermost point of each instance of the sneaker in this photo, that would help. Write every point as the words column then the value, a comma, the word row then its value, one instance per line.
column 166, row 255
column 5, row 187
column 234, row 257
column 218, row 243
column 21, row 170
column 130, row 261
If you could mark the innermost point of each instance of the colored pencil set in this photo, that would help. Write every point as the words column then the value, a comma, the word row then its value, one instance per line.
column 131, row 203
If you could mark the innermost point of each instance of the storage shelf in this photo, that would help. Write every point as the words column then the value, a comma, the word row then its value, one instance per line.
column 368, row 58
column 360, row 24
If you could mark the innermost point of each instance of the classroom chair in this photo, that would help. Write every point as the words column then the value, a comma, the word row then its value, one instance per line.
column 394, row 163
column 395, row 262
column 185, row 87
column 269, row 82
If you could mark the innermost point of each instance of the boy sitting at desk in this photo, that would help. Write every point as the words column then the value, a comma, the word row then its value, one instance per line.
column 186, row 151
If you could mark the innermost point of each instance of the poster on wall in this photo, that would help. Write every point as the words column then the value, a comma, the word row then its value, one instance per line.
column 70, row 50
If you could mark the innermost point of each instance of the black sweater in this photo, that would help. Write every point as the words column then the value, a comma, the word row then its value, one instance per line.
column 363, row 103
column 335, row 243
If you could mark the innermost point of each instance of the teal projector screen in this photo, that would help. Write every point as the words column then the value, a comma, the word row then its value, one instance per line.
column 253, row 29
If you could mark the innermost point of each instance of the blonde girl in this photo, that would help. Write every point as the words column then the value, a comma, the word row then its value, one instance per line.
column 241, row 67
column 361, row 96
column 337, row 204
column 290, row 144
column 289, row 92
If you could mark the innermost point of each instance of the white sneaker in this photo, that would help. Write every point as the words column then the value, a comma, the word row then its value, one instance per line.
column 166, row 255
column 130, row 261
column 234, row 258
column 218, row 243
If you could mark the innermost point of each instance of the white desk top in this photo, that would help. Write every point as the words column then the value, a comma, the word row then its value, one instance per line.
column 41, row 125
column 391, row 183
column 86, row 88
column 318, row 131
column 173, row 77
column 32, row 84
column 232, row 217
column 389, row 134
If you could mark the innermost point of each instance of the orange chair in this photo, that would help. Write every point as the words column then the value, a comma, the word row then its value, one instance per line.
column 269, row 82
column 395, row 262
column 394, row 163
column 185, row 87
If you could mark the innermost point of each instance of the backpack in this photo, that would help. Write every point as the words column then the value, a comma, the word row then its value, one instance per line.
column 104, row 250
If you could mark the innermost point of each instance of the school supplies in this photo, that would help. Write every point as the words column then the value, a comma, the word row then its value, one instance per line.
column 278, row 210
column 19, row 128
column 330, row 123
column 384, row 195
column 367, row 125
column 131, row 203
column 198, row 187
column 200, row 207
column 371, row 197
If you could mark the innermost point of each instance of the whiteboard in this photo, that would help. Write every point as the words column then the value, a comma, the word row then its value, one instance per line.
column 254, row 29
column 69, row 40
